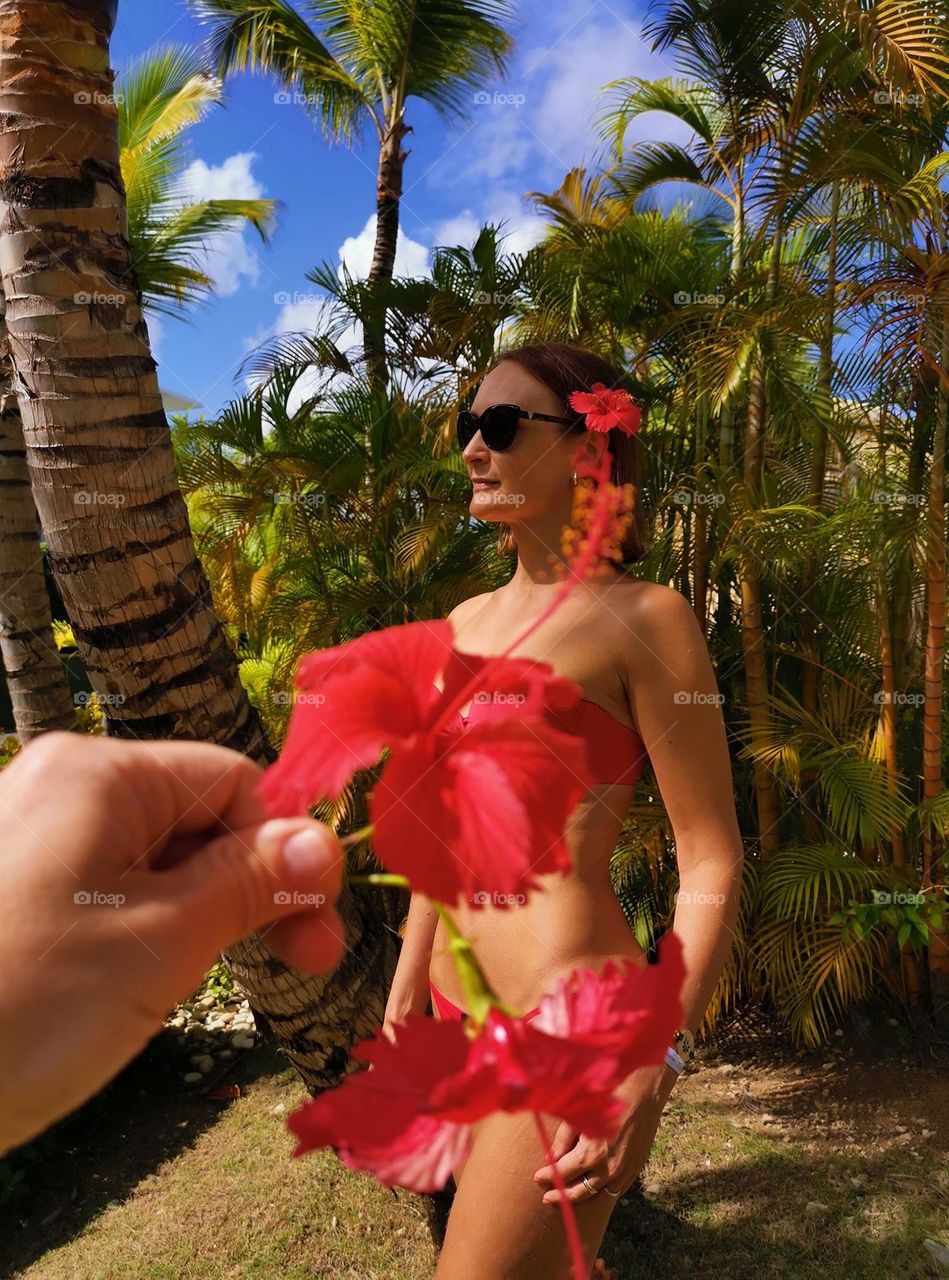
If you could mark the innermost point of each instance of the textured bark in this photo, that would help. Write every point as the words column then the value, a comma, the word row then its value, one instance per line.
column 935, row 657
column 102, row 469
column 756, row 674
column 36, row 679
column 392, row 159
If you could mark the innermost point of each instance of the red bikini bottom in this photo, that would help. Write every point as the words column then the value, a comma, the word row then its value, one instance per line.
column 447, row 1009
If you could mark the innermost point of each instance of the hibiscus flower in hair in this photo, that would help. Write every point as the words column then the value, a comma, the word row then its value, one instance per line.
column 606, row 407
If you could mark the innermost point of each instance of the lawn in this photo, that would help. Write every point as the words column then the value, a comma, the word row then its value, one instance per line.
column 824, row 1165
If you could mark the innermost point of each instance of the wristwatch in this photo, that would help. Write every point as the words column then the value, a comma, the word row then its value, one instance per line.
column 681, row 1049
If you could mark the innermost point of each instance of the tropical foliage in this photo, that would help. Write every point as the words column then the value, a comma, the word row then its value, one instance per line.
column 786, row 325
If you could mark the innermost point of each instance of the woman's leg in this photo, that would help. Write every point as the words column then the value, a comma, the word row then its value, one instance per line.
column 498, row 1229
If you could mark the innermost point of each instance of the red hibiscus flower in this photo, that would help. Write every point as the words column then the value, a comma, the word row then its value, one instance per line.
column 409, row 1118
column 606, row 408
column 459, row 811
column 615, row 1008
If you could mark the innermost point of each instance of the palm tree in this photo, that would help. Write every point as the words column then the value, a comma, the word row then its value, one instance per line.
column 357, row 66
column 161, row 96
column 165, row 93
column 39, row 692
column 102, row 469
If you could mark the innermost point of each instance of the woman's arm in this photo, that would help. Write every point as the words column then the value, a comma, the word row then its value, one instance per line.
column 409, row 992
column 675, row 700
column 676, row 705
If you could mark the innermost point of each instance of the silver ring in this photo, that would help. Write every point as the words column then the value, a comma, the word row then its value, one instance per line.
column 589, row 1186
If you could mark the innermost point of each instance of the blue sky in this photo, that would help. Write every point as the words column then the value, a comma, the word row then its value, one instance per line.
column 533, row 127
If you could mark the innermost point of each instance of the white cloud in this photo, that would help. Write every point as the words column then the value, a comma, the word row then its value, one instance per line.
column 411, row 258
column 539, row 122
column 228, row 257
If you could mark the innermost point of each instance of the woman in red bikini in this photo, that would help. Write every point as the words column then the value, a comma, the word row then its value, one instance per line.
column 649, row 695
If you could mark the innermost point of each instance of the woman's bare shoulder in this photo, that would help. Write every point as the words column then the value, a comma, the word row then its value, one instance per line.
column 470, row 606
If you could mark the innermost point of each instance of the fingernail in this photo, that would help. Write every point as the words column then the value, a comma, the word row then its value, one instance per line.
column 304, row 854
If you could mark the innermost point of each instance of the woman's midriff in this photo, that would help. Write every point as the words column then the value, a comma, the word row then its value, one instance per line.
column 572, row 921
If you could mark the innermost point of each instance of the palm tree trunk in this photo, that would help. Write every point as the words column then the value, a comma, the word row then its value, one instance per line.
column 756, row 675
column 388, row 196
column 102, row 468
column 36, row 680
column 810, row 643
column 933, row 785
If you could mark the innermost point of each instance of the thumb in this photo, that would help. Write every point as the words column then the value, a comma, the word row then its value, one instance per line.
column 284, row 873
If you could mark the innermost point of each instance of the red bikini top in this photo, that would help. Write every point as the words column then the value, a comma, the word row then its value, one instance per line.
column 615, row 752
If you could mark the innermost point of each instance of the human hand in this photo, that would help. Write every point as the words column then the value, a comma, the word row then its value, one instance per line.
column 616, row 1164
column 127, row 868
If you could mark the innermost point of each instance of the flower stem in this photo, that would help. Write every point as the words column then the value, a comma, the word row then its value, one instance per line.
column 478, row 994
column 566, row 1208
column 380, row 877
column 355, row 836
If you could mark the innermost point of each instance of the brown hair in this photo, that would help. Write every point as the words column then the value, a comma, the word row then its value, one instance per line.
column 564, row 368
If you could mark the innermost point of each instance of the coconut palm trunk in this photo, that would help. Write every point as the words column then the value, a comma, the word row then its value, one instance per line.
column 36, row 679
column 934, row 681
column 100, row 460
column 752, row 630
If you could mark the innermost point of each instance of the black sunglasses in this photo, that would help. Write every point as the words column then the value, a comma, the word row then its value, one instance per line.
column 498, row 425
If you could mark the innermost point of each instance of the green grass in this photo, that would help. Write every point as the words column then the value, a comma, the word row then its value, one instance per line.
column 189, row 1188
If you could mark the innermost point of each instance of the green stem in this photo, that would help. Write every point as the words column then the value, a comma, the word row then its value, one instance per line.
column 479, row 998
column 380, row 877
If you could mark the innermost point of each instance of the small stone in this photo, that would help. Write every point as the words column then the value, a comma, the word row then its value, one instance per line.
column 243, row 1042
column 726, row 1069
column 651, row 1189
column 815, row 1206
column 279, row 1109
column 838, row 1032
column 226, row 1053
column 192, row 1077
column 206, row 1002
column 892, row 1022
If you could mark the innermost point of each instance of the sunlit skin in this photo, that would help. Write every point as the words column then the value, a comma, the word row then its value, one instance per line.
column 632, row 646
